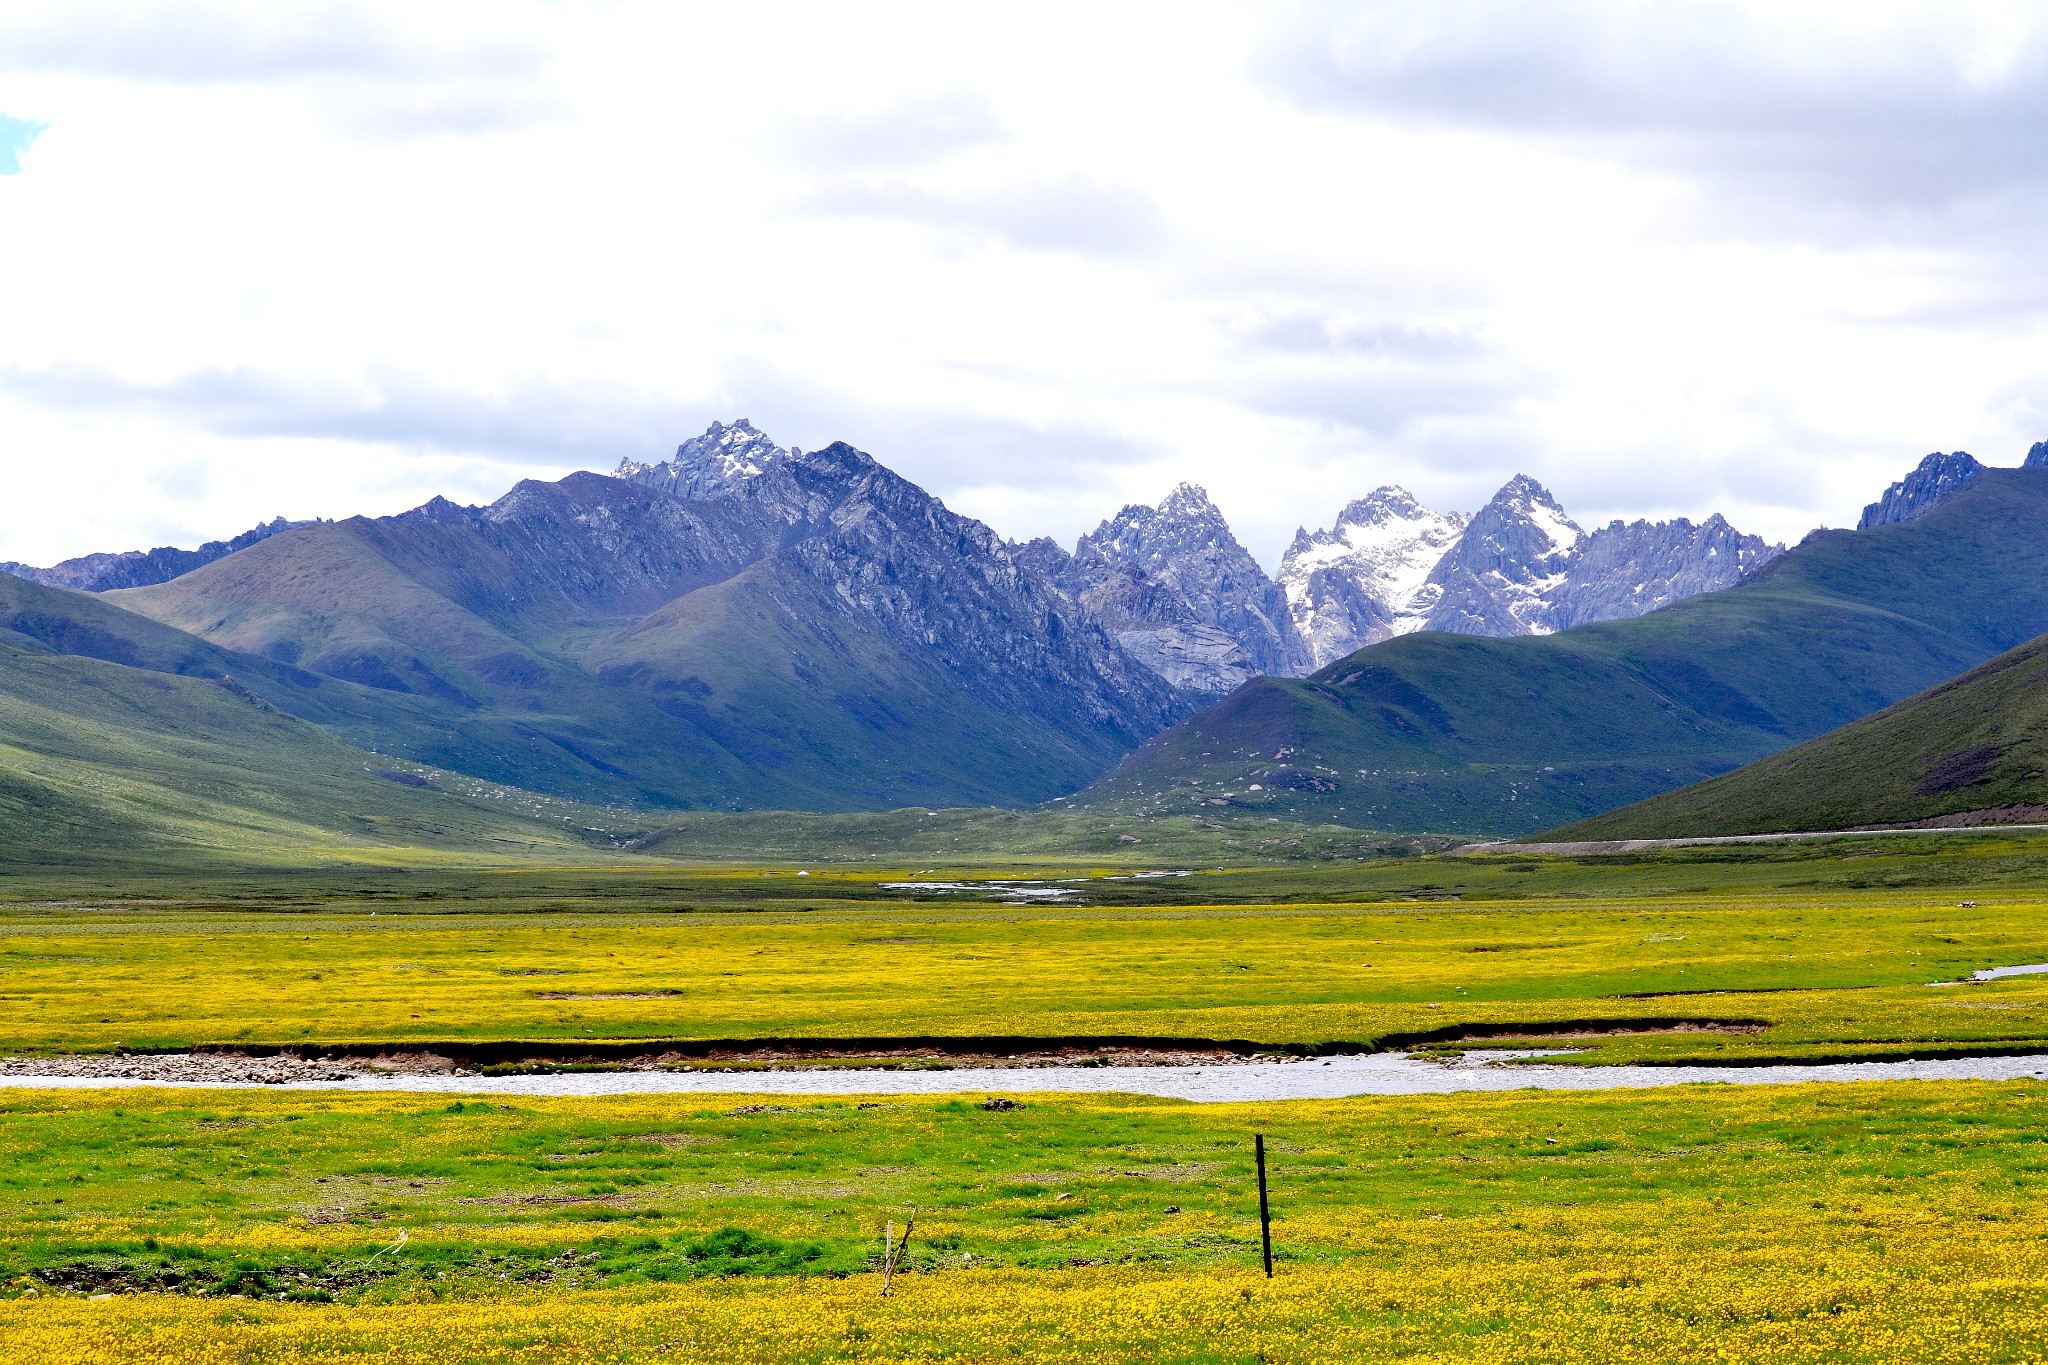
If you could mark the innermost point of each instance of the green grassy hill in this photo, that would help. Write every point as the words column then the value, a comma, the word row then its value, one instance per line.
column 1971, row 751
column 103, row 765
column 1509, row 736
column 332, row 602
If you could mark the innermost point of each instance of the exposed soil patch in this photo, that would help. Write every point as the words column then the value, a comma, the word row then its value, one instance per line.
column 2022, row 814
column 313, row 1064
column 676, row 1139
column 549, row 1200
column 1959, row 770
column 1569, row 1028
column 230, row 1068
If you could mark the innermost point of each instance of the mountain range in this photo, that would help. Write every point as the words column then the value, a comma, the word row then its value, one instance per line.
column 816, row 632
column 1518, row 566
column 1180, row 595
column 1469, row 734
column 744, row 625
column 1184, row 597
column 140, row 568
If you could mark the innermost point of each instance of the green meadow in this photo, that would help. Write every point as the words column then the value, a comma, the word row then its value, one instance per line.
column 1792, row 952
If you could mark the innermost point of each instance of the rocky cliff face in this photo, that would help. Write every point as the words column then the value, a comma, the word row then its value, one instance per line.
column 1630, row 568
column 947, row 587
column 1185, row 544
column 1148, row 618
column 852, row 539
column 141, row 568
column 1935, row 478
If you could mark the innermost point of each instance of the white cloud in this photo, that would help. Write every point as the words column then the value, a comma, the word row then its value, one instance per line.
column 1669, row 258
column 1889, row 117
column 916, row 131
column 379, row 73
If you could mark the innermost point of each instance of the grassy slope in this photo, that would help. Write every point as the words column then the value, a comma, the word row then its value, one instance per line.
column 81, row 672
column 103, row 765
column 1508, row 736
column 745, row 692
column 504, row 708
column 1977, row 745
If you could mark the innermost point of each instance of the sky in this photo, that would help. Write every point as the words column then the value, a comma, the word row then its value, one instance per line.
column 1670, row 258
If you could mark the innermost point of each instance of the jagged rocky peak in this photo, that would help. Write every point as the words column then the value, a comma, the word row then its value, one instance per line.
column 710, row 465
column 441, row 512
column 1630, row 568
column 1184, row 524
column 103, row 571
column 1497, row 578
column 1935, row 478
column 2037, row 457
column 1145, row 615
column 1186, row 544
column 1356, row 583
column 1521, row 524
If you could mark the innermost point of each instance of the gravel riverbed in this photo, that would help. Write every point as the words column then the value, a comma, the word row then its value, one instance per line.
column 1202, row 1080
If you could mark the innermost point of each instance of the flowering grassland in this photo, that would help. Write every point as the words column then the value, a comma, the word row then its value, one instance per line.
column 1647, row 1300
column 1870, row 1222
column 1836, row 976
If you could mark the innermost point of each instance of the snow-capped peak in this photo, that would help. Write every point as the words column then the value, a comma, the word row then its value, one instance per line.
column 1358, row 582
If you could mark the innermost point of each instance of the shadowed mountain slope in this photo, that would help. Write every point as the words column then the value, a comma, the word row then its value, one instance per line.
column 816, row 632
column 1972, row 751
column 1507, row 736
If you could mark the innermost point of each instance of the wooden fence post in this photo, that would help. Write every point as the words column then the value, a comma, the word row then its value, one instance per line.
column 1265, row 1215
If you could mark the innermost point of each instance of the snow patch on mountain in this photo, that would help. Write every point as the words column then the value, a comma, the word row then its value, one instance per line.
column 1361, row 581
column 1498, row 578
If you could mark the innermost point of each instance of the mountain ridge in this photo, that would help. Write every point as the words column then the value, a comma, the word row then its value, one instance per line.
column 1486, row 735
column 1518, row 566
column 818, row 632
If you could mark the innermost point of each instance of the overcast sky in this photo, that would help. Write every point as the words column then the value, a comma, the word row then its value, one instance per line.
column 1669, row 258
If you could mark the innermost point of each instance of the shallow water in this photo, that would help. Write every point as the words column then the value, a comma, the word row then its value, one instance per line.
column 1993, row 973
column 1336, row 1078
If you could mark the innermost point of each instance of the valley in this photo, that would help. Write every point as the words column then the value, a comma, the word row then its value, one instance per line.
column 596, row 917
column 323, row 1223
